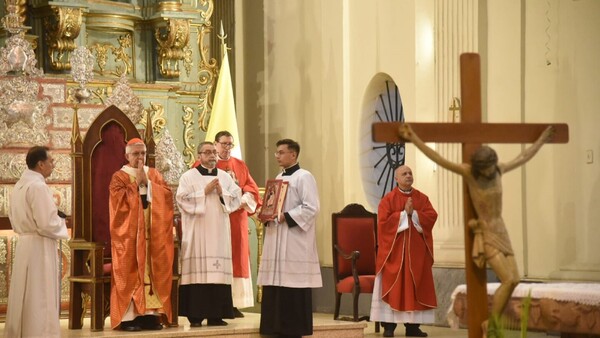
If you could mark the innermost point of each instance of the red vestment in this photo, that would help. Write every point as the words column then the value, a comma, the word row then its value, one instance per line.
column 240, row 247
column 405, row 259
column 128, row 235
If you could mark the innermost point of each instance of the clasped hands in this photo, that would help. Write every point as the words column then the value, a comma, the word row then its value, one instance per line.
column 140, row 175
column 408, row 206
column 213, row 185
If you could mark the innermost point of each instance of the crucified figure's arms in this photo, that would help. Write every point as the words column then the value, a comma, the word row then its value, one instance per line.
column 407, row 133
column 528, row 153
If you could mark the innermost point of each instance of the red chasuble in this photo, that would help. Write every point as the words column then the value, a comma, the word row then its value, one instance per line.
column 128, row 235
column 240, row 247
column 405, row 259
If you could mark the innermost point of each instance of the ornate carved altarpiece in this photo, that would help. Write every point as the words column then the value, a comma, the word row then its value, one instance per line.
column 150, row 57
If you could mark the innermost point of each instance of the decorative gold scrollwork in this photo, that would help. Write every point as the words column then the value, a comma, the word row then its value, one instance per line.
column 18, row 9
column 86, row 301
column 206, row 14
column 188, row 136
column 188, row 59
column 61, row 34
column 207, row 73
column 120, row 53
column 171, row 40
column 157, row 113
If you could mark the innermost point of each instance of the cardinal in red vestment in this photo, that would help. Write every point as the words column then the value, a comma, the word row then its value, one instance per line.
column 141, row 229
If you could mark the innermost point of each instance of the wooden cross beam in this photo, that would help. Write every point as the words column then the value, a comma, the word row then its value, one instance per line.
column 471, row 132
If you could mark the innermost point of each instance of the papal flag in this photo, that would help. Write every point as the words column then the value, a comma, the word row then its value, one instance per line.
column 223, row 112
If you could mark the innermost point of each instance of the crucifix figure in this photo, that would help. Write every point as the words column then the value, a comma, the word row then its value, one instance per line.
column 486, row 238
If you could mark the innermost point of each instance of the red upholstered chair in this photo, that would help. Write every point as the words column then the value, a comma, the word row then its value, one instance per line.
column 354, row 253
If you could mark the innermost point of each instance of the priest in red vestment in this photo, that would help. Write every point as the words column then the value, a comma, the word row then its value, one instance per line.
column 404, row 291
column 141, row 229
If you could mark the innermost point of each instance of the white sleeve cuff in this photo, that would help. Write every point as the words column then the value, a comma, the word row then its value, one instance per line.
column 403, row 224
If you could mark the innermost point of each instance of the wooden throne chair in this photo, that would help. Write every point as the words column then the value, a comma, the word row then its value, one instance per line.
column 94, row 160
column 354, row 235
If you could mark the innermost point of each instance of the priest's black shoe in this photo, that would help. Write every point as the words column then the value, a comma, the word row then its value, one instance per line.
column 150, row 322
column 413, row 330
column 130, row 325
column 388, row 333
column 237, row 313
column 195, row 321
column 216, row 322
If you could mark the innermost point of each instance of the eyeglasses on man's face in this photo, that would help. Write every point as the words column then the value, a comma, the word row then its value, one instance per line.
column 227, row 145
column 208, row 152
column 281, row 153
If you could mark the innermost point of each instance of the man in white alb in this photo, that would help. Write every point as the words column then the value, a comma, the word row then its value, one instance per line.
column 34, row 299
column 206, row 196
column 289, row 266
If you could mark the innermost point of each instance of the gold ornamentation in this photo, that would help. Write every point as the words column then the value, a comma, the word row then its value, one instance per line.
column 188, row 136
column 125, row 99
column 172, row 39
column 16, row 15
column 207, row 73
column 157, row 113
column 169, row 160
column 188, row 61
column 120, row 55
column 206, row 13
column 86, row 301
column 169, row 6
column 101, row 51
column 260, row 234
column 61, row 31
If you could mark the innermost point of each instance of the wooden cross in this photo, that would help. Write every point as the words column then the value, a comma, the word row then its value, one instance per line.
column 471, row 133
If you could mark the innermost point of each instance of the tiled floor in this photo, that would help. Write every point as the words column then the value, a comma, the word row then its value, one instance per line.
column 248, row 327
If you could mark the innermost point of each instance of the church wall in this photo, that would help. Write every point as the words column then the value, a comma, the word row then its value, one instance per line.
column 502, row 83
column 306, row 78
column 563, row 190
column 541, row 67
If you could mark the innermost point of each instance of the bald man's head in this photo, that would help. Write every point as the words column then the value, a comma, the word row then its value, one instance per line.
column 404, row 177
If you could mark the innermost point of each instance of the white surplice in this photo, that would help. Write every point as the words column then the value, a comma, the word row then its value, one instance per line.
column 289, row 256
column 34, row 298
column 206, row 233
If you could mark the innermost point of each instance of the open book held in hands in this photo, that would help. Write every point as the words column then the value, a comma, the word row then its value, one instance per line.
column 273, row 199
